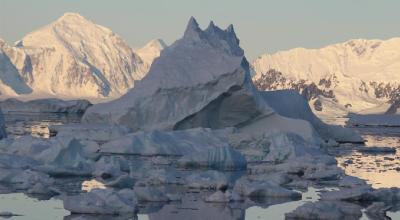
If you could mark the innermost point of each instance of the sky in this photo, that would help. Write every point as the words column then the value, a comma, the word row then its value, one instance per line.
column 263, row 26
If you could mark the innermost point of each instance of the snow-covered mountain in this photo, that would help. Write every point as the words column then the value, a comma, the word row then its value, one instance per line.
column 72, row 58
column 150, row 51
column 355, row 76
column 11, row 82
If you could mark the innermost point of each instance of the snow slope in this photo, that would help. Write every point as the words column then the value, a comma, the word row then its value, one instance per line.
column 72, row 58
column 11, row 83
column 151, row 51
column 358, row 74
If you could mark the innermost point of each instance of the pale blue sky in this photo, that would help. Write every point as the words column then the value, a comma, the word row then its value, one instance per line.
column 262, row 25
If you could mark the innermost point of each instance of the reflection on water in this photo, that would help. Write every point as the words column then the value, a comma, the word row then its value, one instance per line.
column 278, row 211
column 188, row 208
column 380, row 170
column 30, row 208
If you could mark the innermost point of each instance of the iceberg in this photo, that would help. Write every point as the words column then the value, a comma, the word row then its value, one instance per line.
column 102, row 201
column 290, row 103
column 201, row 80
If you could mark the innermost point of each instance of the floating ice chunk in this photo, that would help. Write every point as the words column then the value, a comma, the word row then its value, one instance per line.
column 162, row 177
column 175, row 143
column 219, row 197
column 17, row 162
column 323, row 210
column 324, row 173
column 223, row 197
column 207, row 180
column 288, row 146
column 222, row 158
column 373, row 120
column 276, row 147
column 107, row 167
column 121, row 182
column 377, row 210
column 377, row 150
column 264, row 189
column 32, row 181
column 351, row 182
column 159, row 160
column 332, row 143
column 46, row 150
column 93, row 132
column 150, row 194
column 72, row 157
column 102, row 201
column 362, row 193
column 55, row 156
column 387, row 195
column 24, row 146
column 278, row 178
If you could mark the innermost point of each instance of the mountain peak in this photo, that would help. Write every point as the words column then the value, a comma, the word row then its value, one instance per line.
column 192, row 24
column 230, row 29
column 211, row 25
column 71, row 17
column 215, row 36
column 192, row 29
column 157, row 43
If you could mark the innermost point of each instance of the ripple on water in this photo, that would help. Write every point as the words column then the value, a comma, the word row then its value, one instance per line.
column 380, row 170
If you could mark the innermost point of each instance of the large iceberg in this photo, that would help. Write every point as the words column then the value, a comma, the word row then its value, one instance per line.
column 60, row 156
column 201, row 80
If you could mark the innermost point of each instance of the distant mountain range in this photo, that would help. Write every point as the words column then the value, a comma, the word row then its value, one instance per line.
column 73, row 58
column 354, row 76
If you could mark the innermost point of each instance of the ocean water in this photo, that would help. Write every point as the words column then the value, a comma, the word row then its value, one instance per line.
column 380, row 170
